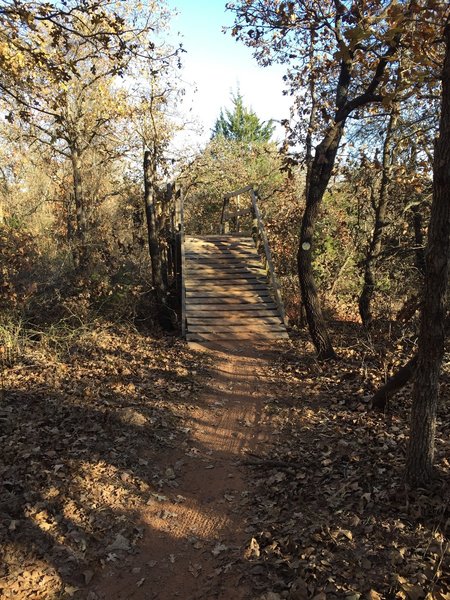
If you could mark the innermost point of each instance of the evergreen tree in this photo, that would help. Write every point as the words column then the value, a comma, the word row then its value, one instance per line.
column 241, row 124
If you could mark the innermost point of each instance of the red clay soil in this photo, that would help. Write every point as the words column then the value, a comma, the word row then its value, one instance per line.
column 194, row 536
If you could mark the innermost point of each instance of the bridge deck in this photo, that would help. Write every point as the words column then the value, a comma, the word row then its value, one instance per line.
column 227, row 295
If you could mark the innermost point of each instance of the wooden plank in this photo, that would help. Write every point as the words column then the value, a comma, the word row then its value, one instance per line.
column 234, row 291
column 243, row 323
column 215, row 337
column 238, row 298
column 220, row 236
column 226, row 285
column 223, row 243
column 194, row 313
column 236, row 272
column 221, row 258
column 221, row 247
column 222, row 291
column 224, row 262
column 239, row 282
column 220, row 276
column 238, row 306
column 237, row 213
column 234, row 328
column 226, row 266
column 243, row 190
column 238, row 255
column 223, row 253
column 250, row 315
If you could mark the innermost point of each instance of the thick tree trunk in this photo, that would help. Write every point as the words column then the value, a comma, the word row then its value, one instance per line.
column 153, row 239
column 320, row 174
column 81, row 254
column 374, row 249
column 321, row 170
column 309, row 159
column 419, row 463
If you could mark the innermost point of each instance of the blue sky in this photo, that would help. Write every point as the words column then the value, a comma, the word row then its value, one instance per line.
column 217, row 64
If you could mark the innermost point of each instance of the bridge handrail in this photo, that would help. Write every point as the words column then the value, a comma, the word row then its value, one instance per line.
column 258, row 233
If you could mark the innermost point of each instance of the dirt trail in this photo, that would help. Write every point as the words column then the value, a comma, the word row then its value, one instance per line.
column 194, row 534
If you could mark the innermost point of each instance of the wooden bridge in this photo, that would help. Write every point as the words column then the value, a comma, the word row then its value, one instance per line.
column 229, row 287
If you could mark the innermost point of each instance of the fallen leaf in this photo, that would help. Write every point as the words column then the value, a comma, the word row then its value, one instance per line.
column 218, row 548
column 253, row 550
column 194, row 569
column 120, row 543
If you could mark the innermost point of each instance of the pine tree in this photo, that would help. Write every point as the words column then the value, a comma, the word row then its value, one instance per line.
column 241, row 124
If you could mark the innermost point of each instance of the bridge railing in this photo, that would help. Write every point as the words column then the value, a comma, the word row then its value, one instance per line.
column 259, row 235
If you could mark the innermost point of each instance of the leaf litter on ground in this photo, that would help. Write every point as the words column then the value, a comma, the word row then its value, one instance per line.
column 80, row 435
column 331, row 517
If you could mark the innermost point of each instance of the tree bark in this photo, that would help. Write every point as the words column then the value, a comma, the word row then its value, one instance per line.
column 420, row 456
column 394, row 384
column 320, row 174
column 400, row 378
column 153, row 238
column 321, row 170
column 374, row 249
column 309, row 150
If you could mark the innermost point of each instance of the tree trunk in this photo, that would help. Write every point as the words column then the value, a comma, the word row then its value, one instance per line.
column 365, row 299
column 153, row 238
column 309, row 149
column 419, row 463
column 321, row 170
column 394, row 384
column 81, row 255
column 400, row 378
column 320, row 174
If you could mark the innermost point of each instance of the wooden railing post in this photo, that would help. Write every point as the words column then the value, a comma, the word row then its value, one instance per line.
column 224, row 222
column 259, row 237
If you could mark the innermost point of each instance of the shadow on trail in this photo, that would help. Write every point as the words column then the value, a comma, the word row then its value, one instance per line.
column 80, row 454
column 90, row 441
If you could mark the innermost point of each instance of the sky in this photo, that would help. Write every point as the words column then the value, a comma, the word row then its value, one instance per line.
column 215, row 64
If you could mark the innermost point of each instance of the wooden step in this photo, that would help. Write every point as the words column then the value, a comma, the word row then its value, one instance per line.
column 238, row 328
column 260, row 337
column 225, row 275
column 227, row 293
column 243, row 297
column 245, row 323
column 224, row 292
column 235, row 312
column 237, row 270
